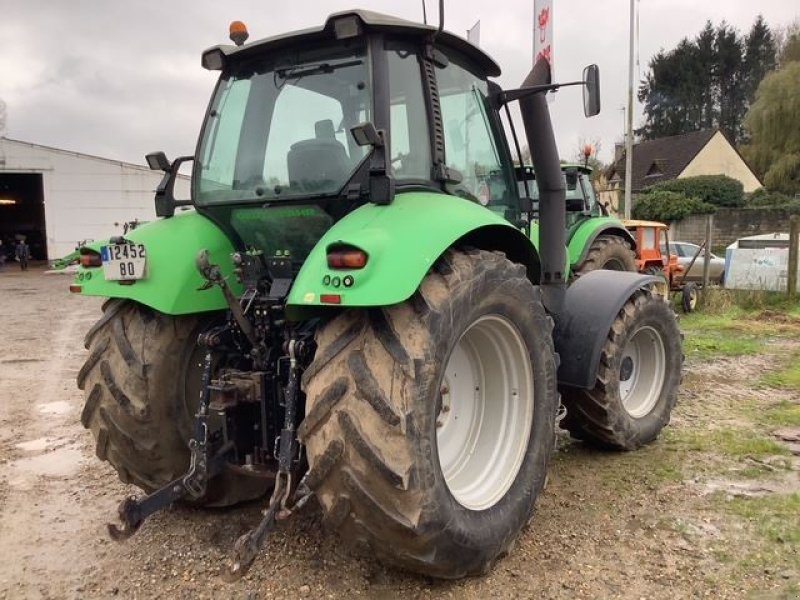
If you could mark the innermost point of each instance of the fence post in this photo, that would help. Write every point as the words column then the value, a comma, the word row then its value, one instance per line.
column 794, row 237
column 707, row 256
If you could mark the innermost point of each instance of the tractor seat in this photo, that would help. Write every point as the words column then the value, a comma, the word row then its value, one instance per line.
column 317, row 163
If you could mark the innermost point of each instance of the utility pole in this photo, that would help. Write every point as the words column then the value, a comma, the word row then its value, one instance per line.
column 794, row 242
column 629, row 136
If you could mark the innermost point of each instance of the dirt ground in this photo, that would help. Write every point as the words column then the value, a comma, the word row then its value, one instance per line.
column 658, row 523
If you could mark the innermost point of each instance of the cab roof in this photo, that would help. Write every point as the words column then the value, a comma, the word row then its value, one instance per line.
column 634, row 223
column 369, row 21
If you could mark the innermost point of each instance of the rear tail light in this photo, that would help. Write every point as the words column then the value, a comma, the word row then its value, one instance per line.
column 91, row 259
column 75, row 289
column 346, row 257
column 330, row 299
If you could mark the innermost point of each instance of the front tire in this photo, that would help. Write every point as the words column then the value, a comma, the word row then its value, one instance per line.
column 637, row 381
column 142, row 384
column 607, row 252
column 430, row 424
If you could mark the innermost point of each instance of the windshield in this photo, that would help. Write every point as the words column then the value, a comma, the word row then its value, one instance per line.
column 279, row 127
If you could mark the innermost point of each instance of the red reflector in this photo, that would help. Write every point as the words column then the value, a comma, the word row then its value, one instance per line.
column 91, row 260
column 330, row 298
column 347, row 259
column 75, row 289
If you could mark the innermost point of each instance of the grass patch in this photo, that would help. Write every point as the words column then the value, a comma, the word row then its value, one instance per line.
column 783, row 414
column 736, row 443
column 776, row 518
column 707, row 336
column 720, row 301
column 787, row 378
column 710, row 346
column 736, row 332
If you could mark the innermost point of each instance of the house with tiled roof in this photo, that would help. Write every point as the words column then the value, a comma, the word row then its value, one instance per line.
column 706, row 152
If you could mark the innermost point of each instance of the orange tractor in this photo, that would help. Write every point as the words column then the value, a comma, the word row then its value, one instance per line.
column 653, row 258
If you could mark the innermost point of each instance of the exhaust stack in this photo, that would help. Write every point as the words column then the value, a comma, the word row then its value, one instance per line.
column 552, row 193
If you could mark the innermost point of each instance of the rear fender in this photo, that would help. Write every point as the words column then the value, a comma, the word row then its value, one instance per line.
column 402, row 240
column 592, row 303
column 589, row 230
column 171, row 284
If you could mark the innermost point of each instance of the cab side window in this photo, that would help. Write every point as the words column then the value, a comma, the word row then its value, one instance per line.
column 469, row 141
column 409, row 144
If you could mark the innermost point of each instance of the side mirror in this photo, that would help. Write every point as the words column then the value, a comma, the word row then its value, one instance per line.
column 381, row 184
column 157, row 161
column 591, row 91
column 165, row 192
column 365, row 134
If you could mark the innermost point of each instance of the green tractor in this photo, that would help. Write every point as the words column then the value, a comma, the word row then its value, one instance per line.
column 595, row 240
column 352, row 307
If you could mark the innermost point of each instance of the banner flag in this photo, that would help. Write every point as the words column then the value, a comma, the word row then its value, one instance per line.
column 474, row 34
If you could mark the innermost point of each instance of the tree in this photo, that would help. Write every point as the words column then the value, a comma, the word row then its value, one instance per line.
column 729, row 72
column 706, row 82
column 774, row 129
column 759, row 57
column 705, row 65
column 788, row 42
column 670, row 91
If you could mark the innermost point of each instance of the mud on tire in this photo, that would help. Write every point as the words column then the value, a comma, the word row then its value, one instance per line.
column 141, row 382
column 637, row 381
column 607, row 252
column 374, row 395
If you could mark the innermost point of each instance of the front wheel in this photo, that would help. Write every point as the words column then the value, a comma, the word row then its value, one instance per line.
column 430, row 424
column 637, row 381
column 608, row 252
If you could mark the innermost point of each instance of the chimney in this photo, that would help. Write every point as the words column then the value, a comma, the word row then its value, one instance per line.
column 619, row 151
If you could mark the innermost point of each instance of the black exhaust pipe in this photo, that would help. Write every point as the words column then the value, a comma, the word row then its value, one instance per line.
column 552, row 193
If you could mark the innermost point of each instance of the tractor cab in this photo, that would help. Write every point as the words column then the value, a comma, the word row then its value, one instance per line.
column 581, row 199
column 304, row 128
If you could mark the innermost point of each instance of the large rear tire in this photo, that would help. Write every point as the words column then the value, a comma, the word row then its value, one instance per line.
column 430, row 424
column 142, row 385
column 637, row 382
column 607, row 252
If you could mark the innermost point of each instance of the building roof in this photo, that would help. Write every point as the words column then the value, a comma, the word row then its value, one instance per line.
column 662, row 159
column 73, row 153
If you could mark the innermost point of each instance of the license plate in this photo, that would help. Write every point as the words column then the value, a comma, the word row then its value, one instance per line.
column 123, row 262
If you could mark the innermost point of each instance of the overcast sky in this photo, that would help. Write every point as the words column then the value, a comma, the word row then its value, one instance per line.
column 119, row 79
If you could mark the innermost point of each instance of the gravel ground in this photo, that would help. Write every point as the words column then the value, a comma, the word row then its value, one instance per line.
column 607, row 526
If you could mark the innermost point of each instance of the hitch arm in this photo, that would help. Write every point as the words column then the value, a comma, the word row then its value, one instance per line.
column 133, row 511
column 247, row 546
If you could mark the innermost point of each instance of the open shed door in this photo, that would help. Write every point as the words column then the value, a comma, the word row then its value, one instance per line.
column 22, row 213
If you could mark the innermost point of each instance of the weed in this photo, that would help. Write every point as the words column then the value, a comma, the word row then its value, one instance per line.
column 721, row 301
column 736, row 443
column 776, row 517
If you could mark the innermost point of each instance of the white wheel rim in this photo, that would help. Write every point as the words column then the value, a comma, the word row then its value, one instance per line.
column 642, row 371
column 486, row 415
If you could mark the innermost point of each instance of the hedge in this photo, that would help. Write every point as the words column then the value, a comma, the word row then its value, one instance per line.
column 719, row 190
column 659, row 205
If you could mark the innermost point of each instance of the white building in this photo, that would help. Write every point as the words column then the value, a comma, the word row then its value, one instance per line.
column 56, row 197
